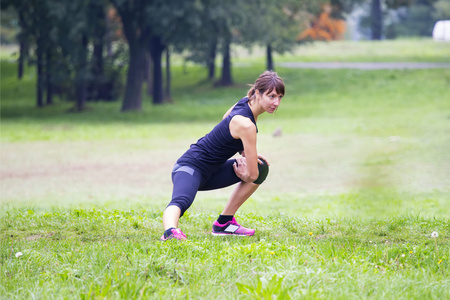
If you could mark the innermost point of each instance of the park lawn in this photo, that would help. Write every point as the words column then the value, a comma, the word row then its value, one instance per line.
column 399, row 50
column 359, row 180
column 102, row 253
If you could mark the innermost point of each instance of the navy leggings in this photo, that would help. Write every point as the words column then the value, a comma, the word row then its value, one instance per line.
column 187, row 181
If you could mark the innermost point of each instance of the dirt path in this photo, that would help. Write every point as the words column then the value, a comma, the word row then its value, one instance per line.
column 365, row 65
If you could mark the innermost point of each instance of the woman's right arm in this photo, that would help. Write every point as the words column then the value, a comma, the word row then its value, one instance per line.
column 228, row 111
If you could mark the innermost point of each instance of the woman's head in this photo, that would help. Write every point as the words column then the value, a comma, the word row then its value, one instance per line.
column 267, row 82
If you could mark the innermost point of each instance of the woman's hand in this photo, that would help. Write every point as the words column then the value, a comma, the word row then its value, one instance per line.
column 241, row 169
column 263, row 158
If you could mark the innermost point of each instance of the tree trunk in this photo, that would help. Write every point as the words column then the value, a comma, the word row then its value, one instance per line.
column 82, row 75
column 137, row 37
column 269, row 58
column 109, row 38
column 135, row 77
column 97, row 69
column 148, row 71
column 21, row 59
column 226, row 78
column 40, row 73
column 22, row 49
column 168, row 96
column 156, row 50
column 48, row 77
column 212, row 59
column 97, row 56
column 377, row 21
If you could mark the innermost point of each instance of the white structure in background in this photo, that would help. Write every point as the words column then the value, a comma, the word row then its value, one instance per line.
column 441, row 31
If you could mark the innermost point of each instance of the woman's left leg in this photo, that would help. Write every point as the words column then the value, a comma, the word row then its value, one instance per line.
column 241, row 193
column 226, row 177
column 226, row 224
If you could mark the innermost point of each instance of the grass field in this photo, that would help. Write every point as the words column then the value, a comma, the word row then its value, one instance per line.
column 359, row 180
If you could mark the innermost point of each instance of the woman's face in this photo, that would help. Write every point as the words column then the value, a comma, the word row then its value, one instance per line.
column 270, row 101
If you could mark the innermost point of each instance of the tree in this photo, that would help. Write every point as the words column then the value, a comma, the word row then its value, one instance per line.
column 376, row 20
column 228, row 18
column 35, row 27
column 210, row 26
column 157, row 47
column 226, row 77
column 392, row 18
column 168, row 93
column 55, row 36
column 415, row 17
column 136, row 29
column 75, row 25
column 97, row 21
column 275, row 30
column 200, row 35
column 151, row 26
column 176, row 25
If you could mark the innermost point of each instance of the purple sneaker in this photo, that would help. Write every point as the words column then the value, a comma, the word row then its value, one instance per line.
column 176, row 234
column 231, row 228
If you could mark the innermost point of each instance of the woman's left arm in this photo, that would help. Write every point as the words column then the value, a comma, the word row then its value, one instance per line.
column 259, row 158
column 244, row 129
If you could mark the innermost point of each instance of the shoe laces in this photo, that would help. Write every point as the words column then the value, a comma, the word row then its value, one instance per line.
column 178, row 234
column 234, row 222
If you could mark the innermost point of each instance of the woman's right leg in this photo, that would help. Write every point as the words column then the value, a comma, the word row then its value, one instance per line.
column 185, row 186
column 171, row 216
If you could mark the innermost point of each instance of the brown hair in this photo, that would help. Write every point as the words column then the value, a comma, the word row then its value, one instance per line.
column 267, row 81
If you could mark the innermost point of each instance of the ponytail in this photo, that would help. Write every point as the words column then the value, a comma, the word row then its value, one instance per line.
column 251, row 91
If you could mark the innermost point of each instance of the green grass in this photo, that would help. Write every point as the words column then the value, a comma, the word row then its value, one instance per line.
column 100, row 253
column 359, row 180
column 407, row 50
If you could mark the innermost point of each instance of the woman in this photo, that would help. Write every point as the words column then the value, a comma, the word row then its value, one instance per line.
column 207, row 164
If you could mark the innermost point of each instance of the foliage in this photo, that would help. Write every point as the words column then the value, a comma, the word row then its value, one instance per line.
column 54, row 36
column 409, row 18
column 442, row 10
column 274, row 24
column 66, row 40
column 415, row 20
column 9, row 27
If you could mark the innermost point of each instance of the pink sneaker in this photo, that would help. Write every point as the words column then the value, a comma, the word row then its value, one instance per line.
column 231, row 228
column 176, row 234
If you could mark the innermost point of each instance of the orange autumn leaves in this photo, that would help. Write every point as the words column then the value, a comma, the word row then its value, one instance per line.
column 324, row 27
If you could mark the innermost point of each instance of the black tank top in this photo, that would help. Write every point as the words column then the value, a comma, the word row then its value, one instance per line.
column 215, row 148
